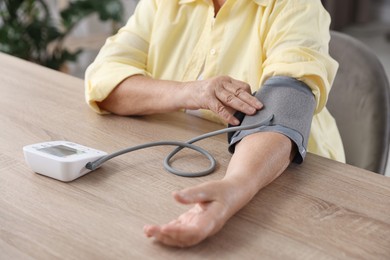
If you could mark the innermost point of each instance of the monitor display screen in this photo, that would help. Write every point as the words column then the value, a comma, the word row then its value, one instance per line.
column 60, row 150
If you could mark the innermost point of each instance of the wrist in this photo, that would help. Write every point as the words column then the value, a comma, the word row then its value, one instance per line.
column 237, row 194
column 189, row 95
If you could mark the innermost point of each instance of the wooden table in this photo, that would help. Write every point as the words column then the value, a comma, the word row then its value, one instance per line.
column 319, row 210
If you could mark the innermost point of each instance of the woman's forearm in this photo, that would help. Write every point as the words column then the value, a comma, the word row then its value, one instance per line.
column 141, row 95
column 258, row 160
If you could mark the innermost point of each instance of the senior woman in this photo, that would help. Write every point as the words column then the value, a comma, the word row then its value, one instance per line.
column 207, row 58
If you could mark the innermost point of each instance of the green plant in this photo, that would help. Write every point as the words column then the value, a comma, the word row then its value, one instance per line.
column 28, row 30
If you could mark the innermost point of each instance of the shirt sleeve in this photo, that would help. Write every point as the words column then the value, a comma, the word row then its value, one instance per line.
column 123, row 55
column 290, row 105
column 296, row 43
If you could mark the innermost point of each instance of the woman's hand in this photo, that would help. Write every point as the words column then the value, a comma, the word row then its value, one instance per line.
column 214, row 203
column 258, row 160
column 223, row 95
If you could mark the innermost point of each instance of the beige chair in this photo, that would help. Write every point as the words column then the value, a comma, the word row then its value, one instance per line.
column 360, row 102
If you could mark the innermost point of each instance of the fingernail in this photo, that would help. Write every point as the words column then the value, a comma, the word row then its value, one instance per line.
column 201, row 196
column 235, row 122
column 182, row 195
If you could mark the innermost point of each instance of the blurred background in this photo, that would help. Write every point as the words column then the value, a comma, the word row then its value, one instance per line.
column 66, row 35
column 366, row 20
column 76, row 29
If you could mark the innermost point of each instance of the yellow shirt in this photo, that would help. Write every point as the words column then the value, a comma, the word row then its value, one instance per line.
column 249, row 40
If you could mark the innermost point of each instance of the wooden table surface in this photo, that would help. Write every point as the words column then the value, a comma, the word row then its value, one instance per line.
column 319, row 210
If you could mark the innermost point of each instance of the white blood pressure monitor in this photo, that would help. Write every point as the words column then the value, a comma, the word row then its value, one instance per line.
column 61, row 160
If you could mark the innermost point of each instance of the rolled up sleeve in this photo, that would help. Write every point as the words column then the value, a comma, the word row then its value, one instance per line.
column 296, row 45
column 123, row 55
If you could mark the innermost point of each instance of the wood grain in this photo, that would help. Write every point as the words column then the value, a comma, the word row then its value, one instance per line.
column 319, row 210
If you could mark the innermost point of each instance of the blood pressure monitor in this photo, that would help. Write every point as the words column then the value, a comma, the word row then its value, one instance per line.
column 61, row 160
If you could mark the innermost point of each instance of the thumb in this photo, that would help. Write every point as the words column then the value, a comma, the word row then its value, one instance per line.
column 200, row 193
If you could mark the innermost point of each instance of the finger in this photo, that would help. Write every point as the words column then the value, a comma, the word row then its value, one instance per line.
column 151, row 230
column 245, row 86
column 241, row 90
column 181, row 235
column 229, row 99
column 242, row 94
column 172, row 234
column 223, row 112
column 156, row 233
column 201, row 193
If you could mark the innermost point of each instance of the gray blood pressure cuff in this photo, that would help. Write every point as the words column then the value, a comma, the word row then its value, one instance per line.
column 290, row 103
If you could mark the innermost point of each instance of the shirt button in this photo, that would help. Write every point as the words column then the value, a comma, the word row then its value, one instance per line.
column 213, row 51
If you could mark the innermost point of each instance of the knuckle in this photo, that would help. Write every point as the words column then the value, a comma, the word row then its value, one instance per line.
column 229, row 98
column 238, row 92
column 246, row 88
column 224, row 78
column 220, row 109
